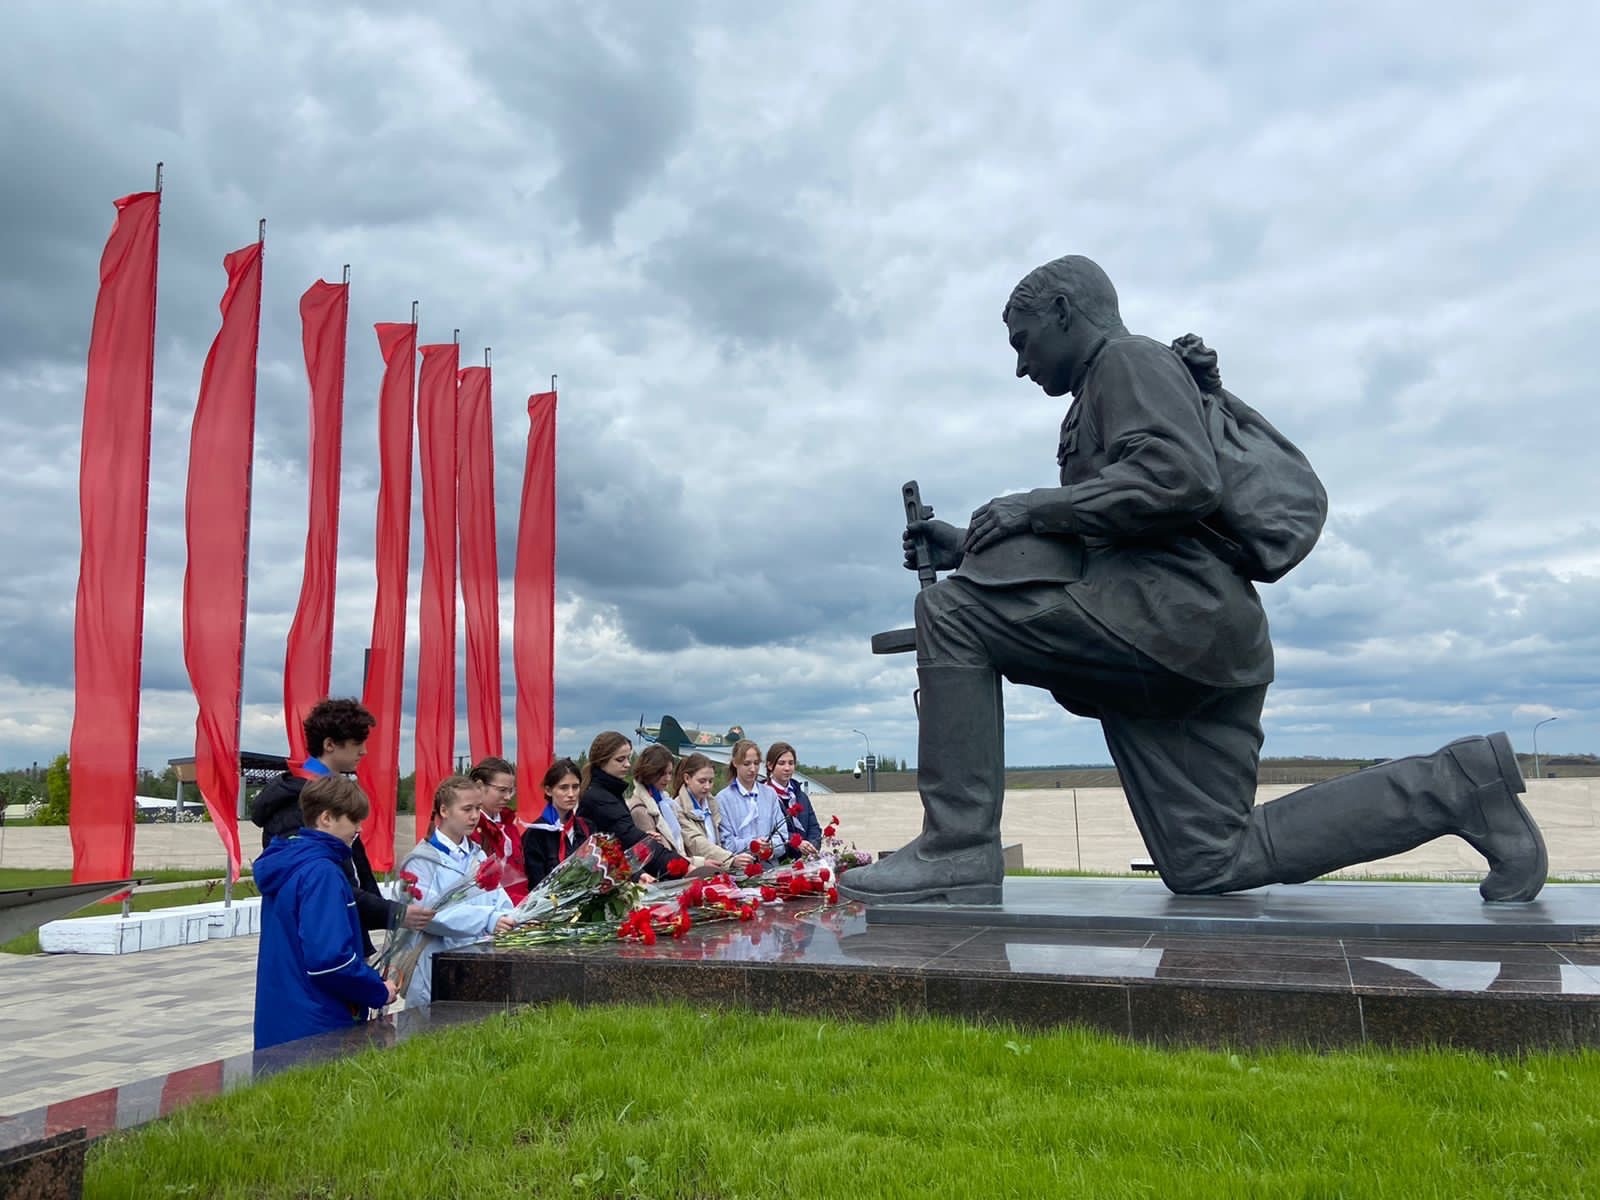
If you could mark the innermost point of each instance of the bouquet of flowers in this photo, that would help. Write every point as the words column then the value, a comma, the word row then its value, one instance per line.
column 719, row 898
column 584, row 898
column 403, row 947
column 670, row 917
column 812, row 878
column 844, row 854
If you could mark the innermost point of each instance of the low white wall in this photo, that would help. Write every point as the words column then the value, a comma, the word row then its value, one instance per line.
column 158, row 929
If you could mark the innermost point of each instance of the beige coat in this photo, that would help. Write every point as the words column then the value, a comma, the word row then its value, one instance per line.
column 699, row 843
column 642, row 807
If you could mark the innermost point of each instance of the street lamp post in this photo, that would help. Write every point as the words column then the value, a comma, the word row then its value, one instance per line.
column 871, row 761
column 1546, row 721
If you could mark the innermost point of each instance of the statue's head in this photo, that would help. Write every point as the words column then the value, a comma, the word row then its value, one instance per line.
column 1053, row 317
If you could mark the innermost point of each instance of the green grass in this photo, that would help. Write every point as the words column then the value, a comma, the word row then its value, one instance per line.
column 670, row 1102
column 28, row 943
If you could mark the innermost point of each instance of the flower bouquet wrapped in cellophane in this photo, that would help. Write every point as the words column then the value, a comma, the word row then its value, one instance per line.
column 402, row 949
column 585, row 898
column 843, row 854
column 813, row 878
column 666, row 917
column 719, row 898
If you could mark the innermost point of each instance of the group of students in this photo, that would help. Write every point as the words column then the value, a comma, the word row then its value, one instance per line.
column 320, row 897
column 672, row 807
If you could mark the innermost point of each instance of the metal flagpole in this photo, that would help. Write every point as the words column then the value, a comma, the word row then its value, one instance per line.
column 229, row 872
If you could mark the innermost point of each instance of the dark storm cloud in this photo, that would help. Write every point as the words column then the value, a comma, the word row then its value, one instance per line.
column 752, row 279
column 611, row 84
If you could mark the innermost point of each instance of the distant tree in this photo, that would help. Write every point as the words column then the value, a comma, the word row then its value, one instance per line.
column 406, row 796
column 19, row 788
column 164, row 785
column 58, row 793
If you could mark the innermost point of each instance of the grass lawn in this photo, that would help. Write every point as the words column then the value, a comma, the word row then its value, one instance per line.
column 673, row 1102
column 28, row 943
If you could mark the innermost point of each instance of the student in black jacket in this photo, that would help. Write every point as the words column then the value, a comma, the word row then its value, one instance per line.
column 605, row 780
column 558, row 830
column 336, row 734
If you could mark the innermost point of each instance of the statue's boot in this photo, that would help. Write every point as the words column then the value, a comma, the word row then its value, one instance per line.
column 961, row 774
column 1469, row 788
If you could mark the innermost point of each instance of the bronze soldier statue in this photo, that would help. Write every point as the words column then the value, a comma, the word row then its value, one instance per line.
column 1122, row 593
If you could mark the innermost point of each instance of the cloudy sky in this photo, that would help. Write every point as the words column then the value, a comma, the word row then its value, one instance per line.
column 766, row 252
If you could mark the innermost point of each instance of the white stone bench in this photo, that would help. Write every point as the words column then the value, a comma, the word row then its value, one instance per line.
column 157, row 929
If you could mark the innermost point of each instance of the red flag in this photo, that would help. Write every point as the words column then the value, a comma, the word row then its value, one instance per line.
column 533, row 635
column 436, row 653
column 379, row 771
column 113, row 502
column 308, row 659
column 480, row 572
column 217, row 522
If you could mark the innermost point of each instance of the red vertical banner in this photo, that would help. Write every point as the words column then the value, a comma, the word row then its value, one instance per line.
column 436, row 651
column 379, row 771
column 480, row 571
column 217, row 525
column 308, row 658
column 113, row 502
column 533, row 635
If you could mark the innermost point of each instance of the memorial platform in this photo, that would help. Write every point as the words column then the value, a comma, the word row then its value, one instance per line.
column 1566, row 913
column 1352, row 982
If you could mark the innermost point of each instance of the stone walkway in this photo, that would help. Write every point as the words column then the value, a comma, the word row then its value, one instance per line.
column 77, row 1023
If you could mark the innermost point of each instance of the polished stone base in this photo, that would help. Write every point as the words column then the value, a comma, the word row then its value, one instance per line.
column 22, row 910
column 47, row 1169
column 1445, row 912
column 1151, row 986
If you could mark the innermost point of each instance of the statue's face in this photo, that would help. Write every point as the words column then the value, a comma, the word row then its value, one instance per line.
column 1043, row 352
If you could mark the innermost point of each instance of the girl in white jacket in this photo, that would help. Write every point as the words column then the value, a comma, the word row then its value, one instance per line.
column 442, row 861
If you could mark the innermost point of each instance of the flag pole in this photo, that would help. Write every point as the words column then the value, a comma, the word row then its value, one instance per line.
column 244, row 591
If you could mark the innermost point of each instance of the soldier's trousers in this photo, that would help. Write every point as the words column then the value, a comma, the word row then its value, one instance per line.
column 1187, row 752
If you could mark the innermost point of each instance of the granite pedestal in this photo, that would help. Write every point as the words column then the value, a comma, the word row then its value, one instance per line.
column 1446, row 912
column 1345, row 984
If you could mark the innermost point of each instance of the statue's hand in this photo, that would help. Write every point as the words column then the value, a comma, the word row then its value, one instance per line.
column 1002, row 517
column 943, row 540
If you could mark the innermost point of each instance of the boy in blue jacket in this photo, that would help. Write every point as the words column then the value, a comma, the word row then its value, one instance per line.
column 310, row 974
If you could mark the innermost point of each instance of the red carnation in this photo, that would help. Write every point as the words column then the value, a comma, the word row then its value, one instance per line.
column 795, row 810
column 833, row 895
column 751, row 870
column 416, row 892
column 824, row 875
column 678, row 868
column 409, row 876
column 796, row 840
column 835, row 820
column 490, row 874
column 768, row 893
column 830, row 830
